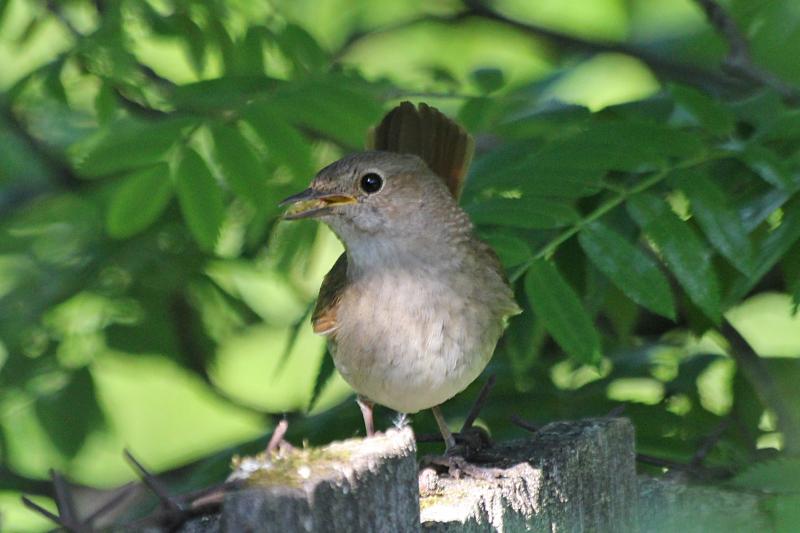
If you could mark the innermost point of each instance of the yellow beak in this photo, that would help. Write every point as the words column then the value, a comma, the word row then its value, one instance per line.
column 310, row 203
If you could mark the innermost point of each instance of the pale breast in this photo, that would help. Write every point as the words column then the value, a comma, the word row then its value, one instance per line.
column 410, row 341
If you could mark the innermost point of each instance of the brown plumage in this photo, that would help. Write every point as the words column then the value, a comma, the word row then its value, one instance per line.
column 426, row 132
column 414, row 308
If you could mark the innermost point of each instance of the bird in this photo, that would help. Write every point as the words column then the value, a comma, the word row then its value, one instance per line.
column 415, row 306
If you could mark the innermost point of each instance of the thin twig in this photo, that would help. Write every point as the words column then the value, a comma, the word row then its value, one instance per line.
column 739, row 62
column 153, row 484
column 124, row 492
column 33, row 506
column 480, row 401
column 524, row 424
column 64, row 502
column 709, row 442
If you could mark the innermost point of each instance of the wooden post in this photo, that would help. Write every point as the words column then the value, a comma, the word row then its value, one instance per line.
column 569, row 476
column 353, row 485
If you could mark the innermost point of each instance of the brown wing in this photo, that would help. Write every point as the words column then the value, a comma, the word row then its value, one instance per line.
column 424, row 131
column 323, row 320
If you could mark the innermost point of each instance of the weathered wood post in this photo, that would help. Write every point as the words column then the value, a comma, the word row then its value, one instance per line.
column 352, row 485
column 570, row 476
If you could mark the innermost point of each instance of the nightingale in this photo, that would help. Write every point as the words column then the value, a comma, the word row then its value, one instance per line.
column 414, row 307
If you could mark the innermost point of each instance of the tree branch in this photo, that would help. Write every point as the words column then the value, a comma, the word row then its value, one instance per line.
column 682, row 72
column 756, row 372
column 739, row 61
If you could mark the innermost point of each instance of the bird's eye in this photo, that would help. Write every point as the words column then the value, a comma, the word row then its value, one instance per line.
column 371, row 183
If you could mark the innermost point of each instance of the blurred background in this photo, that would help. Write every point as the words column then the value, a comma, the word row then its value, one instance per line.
column 636, row 171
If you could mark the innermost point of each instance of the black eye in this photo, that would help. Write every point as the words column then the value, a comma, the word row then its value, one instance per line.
column 371, row 183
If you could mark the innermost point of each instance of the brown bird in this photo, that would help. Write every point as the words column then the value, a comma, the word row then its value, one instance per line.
column 415, row 306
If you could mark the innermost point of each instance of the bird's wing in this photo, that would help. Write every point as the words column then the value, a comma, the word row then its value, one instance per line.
column 445, row 146
column 323, row 319
column 424, row 131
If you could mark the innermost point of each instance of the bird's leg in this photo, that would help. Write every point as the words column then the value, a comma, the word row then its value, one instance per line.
column 366, row 405
column 447, row 435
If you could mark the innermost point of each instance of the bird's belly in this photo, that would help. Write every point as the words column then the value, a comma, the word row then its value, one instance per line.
column 414, row 343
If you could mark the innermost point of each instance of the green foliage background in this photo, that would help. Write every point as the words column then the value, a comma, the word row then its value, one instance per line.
column 642, row 195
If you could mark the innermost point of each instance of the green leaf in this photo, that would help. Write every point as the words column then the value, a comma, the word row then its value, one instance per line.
column 785, row 512
column 628, row 145
column 516, row 166
column 629, row 268
column 250, row 51
column 105, row 104
column 769, row 166
column 227, row 49
column 326, row 371
column 558, row 307
column 777, row 475
column 720, row 222
column 195, row 42
column 511, row 250
column 529, row 213
column 488, row 80
column 200, row 199
column 139, row 201
column 126, row 144
column 221, row 94
column 340, row 107
column 284, row 143
column 573, row 166
column 69, row 414
column 552, row 119
column 791, row 273
column 682, row 250
column 770, row 249
column 301, row 49
column 704, row 110
column 240, row 165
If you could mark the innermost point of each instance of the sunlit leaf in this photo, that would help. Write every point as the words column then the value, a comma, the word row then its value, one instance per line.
column 629, row 268
column 127, row 144
column 340, row 108
column 139, row 201
column 682, row 250
column 195, row 42
column 239, row 163
column 282, row 140
column 301, row 49
column 559, row 308
column 200, row 199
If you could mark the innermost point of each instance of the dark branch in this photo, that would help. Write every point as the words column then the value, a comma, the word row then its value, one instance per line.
column 739, row 61
column 480, row 401
column 756, row 372
column 682, row 72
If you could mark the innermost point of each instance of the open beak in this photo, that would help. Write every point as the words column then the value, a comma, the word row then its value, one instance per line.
column 310, row 203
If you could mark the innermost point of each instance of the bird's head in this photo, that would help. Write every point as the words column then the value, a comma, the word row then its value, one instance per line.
column 372, row 194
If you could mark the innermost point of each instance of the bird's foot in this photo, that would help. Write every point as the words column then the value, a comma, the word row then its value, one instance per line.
column 457, row 466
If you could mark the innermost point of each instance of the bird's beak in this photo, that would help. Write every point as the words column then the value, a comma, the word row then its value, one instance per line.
column 311, row 202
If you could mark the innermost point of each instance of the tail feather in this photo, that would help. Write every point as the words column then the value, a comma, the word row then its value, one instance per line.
column 424, row 131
